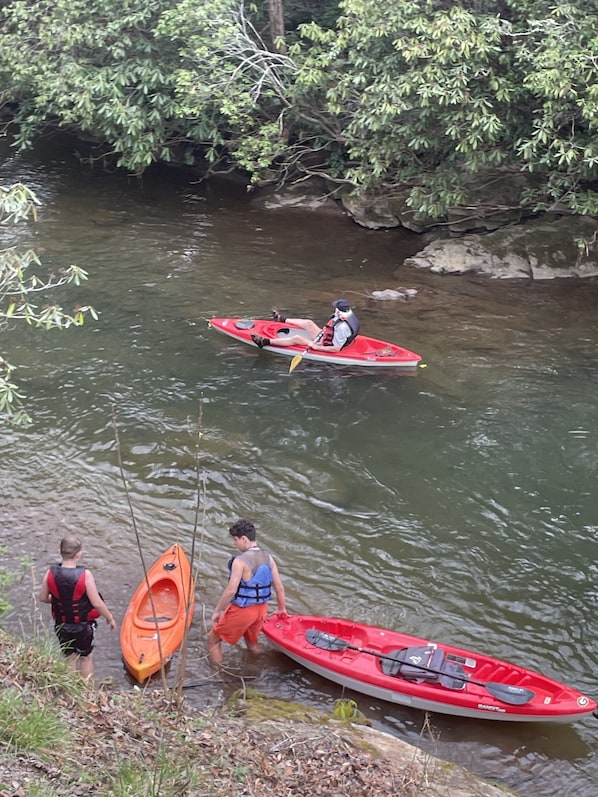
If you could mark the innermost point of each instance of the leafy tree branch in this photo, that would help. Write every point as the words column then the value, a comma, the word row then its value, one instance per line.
column 20, row 281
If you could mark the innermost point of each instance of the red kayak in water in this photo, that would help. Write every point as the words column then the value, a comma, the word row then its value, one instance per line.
column 399, row 668
column 363, row 351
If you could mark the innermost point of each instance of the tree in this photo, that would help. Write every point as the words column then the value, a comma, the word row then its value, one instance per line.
column 20, row 284
column 555, row 53
column 236, row 90
column 408, row 96
column 96, row 69
column 426, row 92
column 276, row 13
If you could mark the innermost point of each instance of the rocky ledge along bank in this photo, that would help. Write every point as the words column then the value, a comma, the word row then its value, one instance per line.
column 540, row 249
column 503, row 245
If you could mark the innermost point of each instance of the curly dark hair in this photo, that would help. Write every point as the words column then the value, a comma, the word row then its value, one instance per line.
column 243, row 528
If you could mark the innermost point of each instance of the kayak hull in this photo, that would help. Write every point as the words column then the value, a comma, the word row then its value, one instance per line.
column 156, row 625
column 363, row 351
column 469, row 674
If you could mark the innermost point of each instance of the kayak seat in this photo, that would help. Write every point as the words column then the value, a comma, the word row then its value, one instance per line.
column 450, row 670
column 148, row 622
column 285, row 332
column 401, row 663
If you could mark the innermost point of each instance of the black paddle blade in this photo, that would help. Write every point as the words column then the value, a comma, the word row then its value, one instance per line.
column 515, row 695
column 325, row 641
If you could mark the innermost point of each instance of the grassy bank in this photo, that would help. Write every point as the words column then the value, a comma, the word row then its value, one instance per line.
column 60, row 736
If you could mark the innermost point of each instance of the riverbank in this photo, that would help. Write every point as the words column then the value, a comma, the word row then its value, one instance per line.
column 63, row 737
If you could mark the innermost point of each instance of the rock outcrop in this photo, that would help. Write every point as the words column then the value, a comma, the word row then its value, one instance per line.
column 540, row 249
column 489, row 234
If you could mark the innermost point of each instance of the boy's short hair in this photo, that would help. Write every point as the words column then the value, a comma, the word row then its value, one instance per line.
column 70, row 546
column 243, row 528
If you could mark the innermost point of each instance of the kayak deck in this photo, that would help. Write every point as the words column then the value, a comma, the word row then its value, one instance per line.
column 415, row 672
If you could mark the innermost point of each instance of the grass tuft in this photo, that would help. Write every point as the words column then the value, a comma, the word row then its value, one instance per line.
column 26, row 726
column 44, row 669
column 164, row 777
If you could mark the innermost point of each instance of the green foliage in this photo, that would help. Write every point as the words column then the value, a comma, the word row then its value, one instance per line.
column 345, row 709
column 233, row 88
column 164, row 778
column 21, row 281
column 556, row 57
column 419, row 92
column 17, row 202
column 95, row 69
column 405, row 96
column 7, row 579
column 26, row 726
column 425, row 93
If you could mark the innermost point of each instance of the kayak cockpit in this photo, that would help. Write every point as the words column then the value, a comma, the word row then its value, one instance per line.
column 424, row 664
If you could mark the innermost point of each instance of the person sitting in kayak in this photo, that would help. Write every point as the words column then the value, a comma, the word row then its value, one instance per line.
column 339, row 331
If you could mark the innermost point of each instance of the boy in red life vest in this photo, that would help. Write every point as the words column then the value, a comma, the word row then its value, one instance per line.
column 76, row 603
column 243, row 605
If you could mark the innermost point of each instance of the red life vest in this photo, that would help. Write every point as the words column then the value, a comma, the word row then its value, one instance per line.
column 70, row 603
column 328, row 336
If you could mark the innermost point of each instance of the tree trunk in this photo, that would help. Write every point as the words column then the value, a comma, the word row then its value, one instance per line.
column 276, row 12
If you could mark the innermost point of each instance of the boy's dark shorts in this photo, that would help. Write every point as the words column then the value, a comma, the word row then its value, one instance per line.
column 76, row 637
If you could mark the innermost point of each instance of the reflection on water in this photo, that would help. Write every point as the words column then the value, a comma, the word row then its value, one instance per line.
column 455, row 504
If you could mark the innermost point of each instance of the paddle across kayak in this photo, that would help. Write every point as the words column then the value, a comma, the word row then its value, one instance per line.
column 363, row 351
column 404, row 669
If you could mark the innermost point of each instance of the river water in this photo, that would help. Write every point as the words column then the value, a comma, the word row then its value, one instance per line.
column 457, row 504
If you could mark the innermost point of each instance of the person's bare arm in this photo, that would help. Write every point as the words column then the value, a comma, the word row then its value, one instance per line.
column 278, row 589
column 95, row 599
column 230, row 590
column 44, row 591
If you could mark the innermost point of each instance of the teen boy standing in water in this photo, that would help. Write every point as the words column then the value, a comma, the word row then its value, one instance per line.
column 243, row 605
column 76, row 603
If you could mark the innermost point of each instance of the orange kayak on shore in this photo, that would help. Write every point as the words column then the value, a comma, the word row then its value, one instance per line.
column 160, row 609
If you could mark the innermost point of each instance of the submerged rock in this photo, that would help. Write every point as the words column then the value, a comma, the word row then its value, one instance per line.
column 311, row 195
column 399, row 295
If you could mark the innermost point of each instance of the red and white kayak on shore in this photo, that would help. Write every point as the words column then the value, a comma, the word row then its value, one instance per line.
column 414, row 672
column 363, row 351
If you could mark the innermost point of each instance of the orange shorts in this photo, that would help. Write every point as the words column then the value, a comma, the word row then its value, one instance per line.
column 237, row 622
